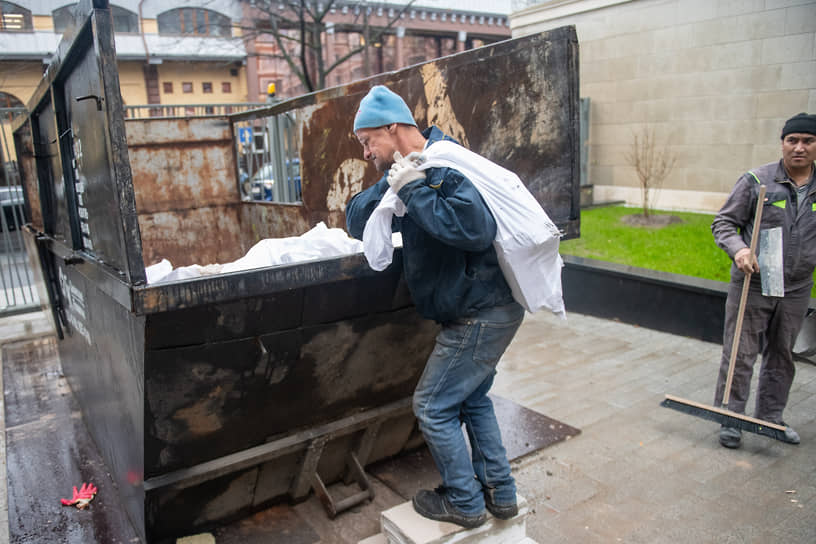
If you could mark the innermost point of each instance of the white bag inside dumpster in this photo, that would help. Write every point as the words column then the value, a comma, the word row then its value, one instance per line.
column 320, row 242
column 526, row 238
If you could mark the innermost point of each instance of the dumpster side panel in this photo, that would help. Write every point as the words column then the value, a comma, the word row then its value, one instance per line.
column 202, row 402
column 186, row 193
column 268, row 220
column 51, row 180
column 102, row 356
column 193, row 236
column 515, row 102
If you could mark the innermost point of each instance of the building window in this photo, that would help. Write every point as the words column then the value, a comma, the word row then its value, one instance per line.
column 124, row 21
column 168, row 87
column 194, row 22
column 189, row 110
column 14, row 18
column 187, row 87
column 226, row 87
column 62, row 17
column 206, row 87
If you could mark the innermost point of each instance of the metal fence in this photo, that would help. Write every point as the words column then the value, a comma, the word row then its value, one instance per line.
column 187, row 110
column 267, row 148
column 17, row 292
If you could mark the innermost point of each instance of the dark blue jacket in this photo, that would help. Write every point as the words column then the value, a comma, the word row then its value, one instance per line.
column 450, row 265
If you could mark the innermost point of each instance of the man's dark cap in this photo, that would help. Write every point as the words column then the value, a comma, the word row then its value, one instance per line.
column 801, row 122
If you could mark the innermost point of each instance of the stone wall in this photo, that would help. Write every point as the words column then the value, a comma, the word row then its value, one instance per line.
column 713, row 79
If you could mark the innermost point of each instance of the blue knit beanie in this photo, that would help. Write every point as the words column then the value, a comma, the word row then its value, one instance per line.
column 382, row 107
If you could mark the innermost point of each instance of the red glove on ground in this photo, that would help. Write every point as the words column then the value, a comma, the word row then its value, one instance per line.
column 81, row 498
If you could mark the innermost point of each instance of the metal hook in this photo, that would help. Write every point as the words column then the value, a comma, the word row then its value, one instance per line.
column 97, row 98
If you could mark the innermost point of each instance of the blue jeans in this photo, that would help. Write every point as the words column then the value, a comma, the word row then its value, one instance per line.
column 453, row 390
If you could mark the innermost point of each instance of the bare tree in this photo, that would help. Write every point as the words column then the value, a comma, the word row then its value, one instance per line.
column 298, row 27
column 652, row 163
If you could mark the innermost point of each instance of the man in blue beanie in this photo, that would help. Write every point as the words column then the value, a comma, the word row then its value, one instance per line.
column 452, row 272
column 771, row 323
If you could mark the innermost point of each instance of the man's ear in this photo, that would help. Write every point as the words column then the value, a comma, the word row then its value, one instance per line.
column 391, row 128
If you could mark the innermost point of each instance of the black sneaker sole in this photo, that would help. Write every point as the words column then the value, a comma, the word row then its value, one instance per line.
column 502, row 512
column 463, row 521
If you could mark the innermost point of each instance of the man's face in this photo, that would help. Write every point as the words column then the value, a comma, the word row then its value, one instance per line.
column 378, row 146
column 798, row 150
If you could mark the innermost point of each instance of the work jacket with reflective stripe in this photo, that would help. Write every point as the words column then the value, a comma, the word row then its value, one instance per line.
column 734, row 223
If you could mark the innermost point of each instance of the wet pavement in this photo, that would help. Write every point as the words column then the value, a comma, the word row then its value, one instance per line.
column 636, row 472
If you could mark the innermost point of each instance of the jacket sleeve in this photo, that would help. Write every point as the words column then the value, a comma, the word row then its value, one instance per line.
column 735, row 217
column 449, row 208
column 361, row 205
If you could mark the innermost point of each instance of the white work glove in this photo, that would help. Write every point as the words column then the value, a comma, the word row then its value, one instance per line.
column 404, row 171
column 746, row 261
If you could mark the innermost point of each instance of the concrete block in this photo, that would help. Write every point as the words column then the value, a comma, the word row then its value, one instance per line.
column 689, row 11
column 402, row 525
column 798, row 75
column 673, row 38
column 799, row 19
column 729, row 8
column 379, row 538
column 760, row 25
column 811, row 101
column 735, row 106
column 600, row 92
column 782, row 104
column 763, row 154
column 736, row 55
column 787, row 49
column 778, row 4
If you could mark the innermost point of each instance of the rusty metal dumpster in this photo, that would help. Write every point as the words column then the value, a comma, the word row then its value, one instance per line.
column 211, row 397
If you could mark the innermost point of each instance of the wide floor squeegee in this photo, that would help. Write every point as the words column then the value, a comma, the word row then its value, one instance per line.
column 723, row 415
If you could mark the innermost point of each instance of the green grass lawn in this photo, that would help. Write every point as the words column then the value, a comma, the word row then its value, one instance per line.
column 686, row 248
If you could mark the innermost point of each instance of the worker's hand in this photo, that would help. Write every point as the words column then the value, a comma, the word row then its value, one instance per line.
column 81, row 498
column 746, row 261
column 403, row 171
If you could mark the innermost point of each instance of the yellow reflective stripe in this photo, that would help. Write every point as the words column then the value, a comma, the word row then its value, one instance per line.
column 756, row 178
column 432, row 186
column 780, row 204
column 813, row 207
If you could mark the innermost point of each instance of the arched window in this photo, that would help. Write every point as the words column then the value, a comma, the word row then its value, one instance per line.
column 124, row 21
column 194, row 22
column 62, row 17
column 14, row 18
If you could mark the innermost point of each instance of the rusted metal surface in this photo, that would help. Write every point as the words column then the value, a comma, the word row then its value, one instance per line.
column 178, row 164
column 24, row 145
column 515, row 102
column 261, row 220
column 195, row 236
column 186, row 191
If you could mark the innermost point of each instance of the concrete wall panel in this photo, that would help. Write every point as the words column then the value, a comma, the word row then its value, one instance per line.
column 714, row 79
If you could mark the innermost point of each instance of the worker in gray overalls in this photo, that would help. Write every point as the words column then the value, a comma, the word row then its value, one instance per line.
column 771, row 323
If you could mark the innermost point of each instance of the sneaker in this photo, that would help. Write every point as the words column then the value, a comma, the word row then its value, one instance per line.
column 435, row 505
column 730, row 437
column 791, row 436
column 500, row 511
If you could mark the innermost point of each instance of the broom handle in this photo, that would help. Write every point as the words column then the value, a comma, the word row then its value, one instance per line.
column 746, row 283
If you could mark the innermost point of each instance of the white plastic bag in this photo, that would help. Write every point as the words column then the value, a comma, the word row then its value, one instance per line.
column 526, row 238
column 378, row 245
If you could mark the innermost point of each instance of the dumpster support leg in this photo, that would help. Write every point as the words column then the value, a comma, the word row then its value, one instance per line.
column 333, row 508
